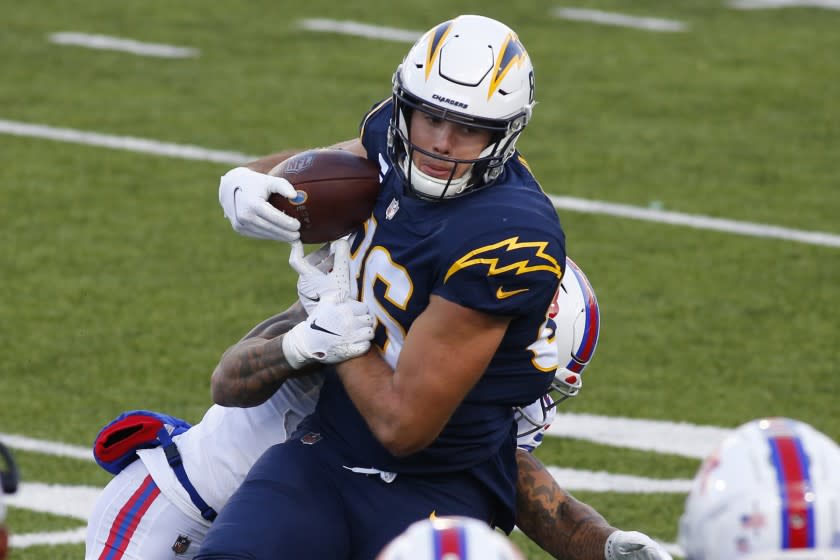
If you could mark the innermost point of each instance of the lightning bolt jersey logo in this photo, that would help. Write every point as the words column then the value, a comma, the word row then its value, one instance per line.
column 509, row 256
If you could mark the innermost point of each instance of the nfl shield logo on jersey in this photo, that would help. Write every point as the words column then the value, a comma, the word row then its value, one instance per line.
column 392, row 209
column 182, row 543
column 311, row 438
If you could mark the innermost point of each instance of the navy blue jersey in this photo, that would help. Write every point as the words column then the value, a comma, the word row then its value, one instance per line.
column 499, row 250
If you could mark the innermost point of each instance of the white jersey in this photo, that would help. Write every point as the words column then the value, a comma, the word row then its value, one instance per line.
column 219, row 451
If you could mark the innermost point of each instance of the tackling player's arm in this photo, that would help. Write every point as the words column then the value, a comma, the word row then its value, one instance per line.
column 407, row 408
column 331, row 330
column 251, row 370
column 552, row 518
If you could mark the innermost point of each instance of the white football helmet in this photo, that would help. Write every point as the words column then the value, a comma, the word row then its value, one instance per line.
column 577, row 324
column 450, row 538
column 770, row 491
column 473, row 71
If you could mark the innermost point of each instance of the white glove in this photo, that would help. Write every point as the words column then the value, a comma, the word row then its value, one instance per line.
column 315, row 281
column 338, row 328
column 633, row 545
column 334, row 332
column 243, row 194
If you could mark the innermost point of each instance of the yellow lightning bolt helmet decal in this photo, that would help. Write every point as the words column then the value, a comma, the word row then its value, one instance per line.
column 473, row 258
column 512, row 52
column 436, row 37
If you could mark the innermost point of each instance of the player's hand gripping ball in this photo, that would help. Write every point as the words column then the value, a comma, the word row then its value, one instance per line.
column 336, row 192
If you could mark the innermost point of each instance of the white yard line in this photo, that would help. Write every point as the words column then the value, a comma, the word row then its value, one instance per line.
column 57, row 499
column 620, row 20
column 696, row 221
column 45, row 447
column 358, row 29
column 600, row 481
column 72, row 536
column 105, row 42
column 770, row 4
column 197, row 153
column 128, row 143
column 674, row 438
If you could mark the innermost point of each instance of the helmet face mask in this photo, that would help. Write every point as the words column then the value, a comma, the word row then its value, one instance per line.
column 471, row 71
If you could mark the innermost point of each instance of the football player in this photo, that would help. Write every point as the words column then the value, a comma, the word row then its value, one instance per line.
column 459, row 263
column 146, row 513
column 771, row 491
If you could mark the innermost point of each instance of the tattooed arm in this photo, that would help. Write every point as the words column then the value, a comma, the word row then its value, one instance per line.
column 251, row 370
column 291, row 344
column 564, row 527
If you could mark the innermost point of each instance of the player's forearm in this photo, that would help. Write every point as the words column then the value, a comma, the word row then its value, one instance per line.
column 251, row 370
column 369, row 382
column 564, row 527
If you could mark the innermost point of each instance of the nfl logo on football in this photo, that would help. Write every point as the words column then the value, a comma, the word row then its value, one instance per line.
column 298, row 165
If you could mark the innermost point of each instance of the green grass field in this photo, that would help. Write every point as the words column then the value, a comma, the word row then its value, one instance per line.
column 122, row 283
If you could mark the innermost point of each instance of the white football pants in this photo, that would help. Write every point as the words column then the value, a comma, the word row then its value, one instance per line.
column 132, row 520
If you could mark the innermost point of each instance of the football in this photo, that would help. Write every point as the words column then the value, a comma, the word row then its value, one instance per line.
column 336, row 192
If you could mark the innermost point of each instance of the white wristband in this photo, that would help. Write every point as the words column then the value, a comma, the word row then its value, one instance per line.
column 292, row 349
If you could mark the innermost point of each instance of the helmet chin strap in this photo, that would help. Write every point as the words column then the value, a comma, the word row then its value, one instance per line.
column 431, row 186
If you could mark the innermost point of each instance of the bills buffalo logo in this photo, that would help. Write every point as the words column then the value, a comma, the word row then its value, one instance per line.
column 182, row 544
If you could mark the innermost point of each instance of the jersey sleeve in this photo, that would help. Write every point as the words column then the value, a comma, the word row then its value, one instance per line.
column 512, row 274
column 373, row 130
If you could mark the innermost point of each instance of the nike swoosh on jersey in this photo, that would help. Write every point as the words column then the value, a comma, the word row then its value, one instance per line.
column 501, row 294
column 317, row 327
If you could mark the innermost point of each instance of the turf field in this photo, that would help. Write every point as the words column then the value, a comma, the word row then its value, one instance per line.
column 708, row 150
